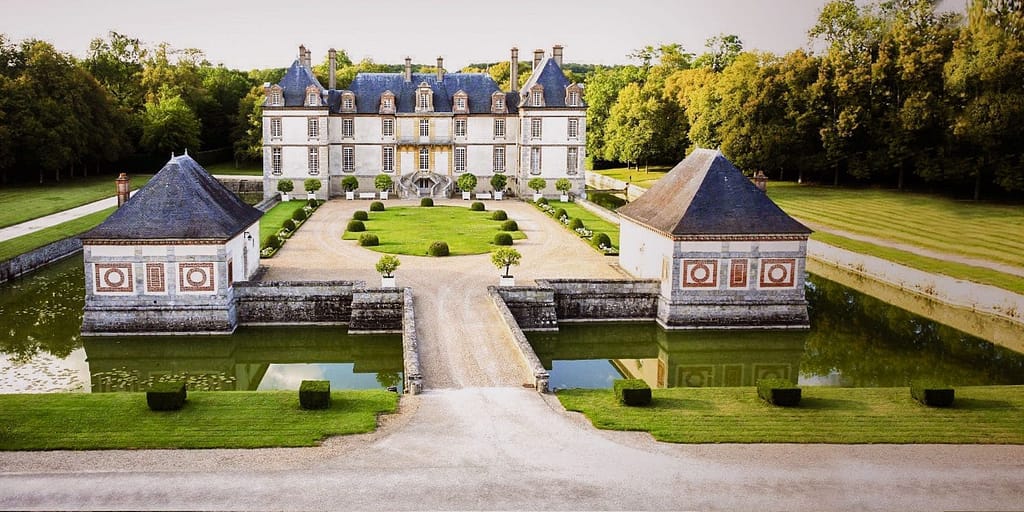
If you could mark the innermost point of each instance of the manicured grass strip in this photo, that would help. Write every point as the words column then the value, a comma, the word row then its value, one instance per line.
column 637, row 176
column 980, row 415
column 23, row 203
column 410, row 230
column 273, row 219
column 590, row 220
column 228, row 168
column 948, row 268
column 217, row 419
column 25, row 243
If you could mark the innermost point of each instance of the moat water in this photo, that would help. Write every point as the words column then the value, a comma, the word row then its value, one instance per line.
column 854, row 340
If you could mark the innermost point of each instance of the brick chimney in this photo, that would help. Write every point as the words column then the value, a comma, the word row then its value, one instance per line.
column 440, row 69
column 302, row 55
column 514, row 70
column 556, row 54
column 408, row 69
column 331, row 54
column 538, row 55
column 123, row 189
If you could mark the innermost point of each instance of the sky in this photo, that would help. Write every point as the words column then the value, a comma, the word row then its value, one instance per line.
column 266, row 34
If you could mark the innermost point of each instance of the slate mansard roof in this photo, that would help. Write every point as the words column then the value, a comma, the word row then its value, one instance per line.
column 706, row 194
column 182, row 202
column 552, row 79
column 295, row 82
column 368, row 87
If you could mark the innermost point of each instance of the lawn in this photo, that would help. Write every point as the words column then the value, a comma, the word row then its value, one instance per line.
column 590, row 220
column 25, row 243
column 23, row 203
column 980, row 415
column 216, row 419
column 272, row 220
column 638, row 177
column 229, row 169
column 411, row 230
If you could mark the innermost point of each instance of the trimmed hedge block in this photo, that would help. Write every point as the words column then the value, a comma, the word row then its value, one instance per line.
column 376, row 206
column 779, row 392
column 427, row 202
column 477, row 207
column 632, row 392
column 932, row 394
column 166, row 396
column 360, row 215
column 315, row 394
column 499, row 215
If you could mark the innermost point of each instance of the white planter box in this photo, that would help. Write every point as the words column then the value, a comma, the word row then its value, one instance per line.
column 537, row 196
column 498, row 195
column 507, row 281
column 350, row 194
column 384, row 194
column 564, row 198
column 387, row 282
column 310, row 195
column 467, row 195
column 284, row 197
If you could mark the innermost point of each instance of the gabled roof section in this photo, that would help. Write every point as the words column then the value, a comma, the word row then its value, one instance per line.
column 369, row 86
column 706, row 194
column 182, row 202
column 295, row 82
column 552, row 79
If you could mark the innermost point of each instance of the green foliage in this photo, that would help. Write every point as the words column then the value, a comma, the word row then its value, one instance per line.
column 299, row 215
column 272, row 241
column 563, row 185
column 360, row 215
column 387, row 264
column 632, row 392
column 499, row 215
column 313, row 203
column 350, row 183
column 503, row 238
column 355, row 226
column 537, row 184
column 601, row 239
column 411, row 229
column 498, row 182
column 315, row 394
column 932, row 394
column 506, row 257
column 169, row 125
column 289, row 224
column 477, row 206
column 542, row 200
column 273, row 220
column 383, row 182
column 311, row 184
column 466, row 182
column 438, row 248
column 376, row 206
column 285, row 186
column 509, row 225
column 575, row 223
column 426, row 202
column 368, row 240
column 779, row 392
column 559, row 213
column 166, row 396
column 25, row 243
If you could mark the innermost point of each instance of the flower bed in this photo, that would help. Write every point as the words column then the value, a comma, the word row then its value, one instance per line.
column 584, row 225
column 282, row 221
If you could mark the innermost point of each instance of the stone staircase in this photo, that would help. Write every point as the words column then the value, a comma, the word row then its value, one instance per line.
column 409, row 185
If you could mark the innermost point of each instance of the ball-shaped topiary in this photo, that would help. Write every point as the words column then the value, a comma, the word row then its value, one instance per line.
column 438, row 249
column 376, row 206
column 313, row 203
column 426, row 201
column 575, row 224
column 559, row 213
column 288, row 224
column 360, row 215
column 503, row 239
column 542, row 200
column 509, row 225
column 273, row 241
column 601, row 239
column 299, row 214
column 499, row 215
column 477, row 206
column 355, row 226
column 368, row 240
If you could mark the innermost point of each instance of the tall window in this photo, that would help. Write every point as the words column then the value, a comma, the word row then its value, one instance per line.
column 574, row 98
column 499, row 128
column 275, row 127
column 460, row 159
column 535, row 128
column 388, row 127
column 275, row 97
column 386, row 103
column 424, row 159
column 460, row 127
column 313, row 128
column 387, row 158
column 535, row 161
column 497, row 103
column 348, row 159
column 275, row 160
column 347, row 103
column 537, row 98
column 423, row 100
column 460, row 103
column 424, row 128
column 314, row 160
column 311, row 99
column 499, row 158
column 574, row 128
column 348, row 126
column 571, row 160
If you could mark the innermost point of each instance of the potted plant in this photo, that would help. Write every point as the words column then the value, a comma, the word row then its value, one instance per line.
column 466, row 183
column 383, row 183
column 386, row 265
column 311, row 185
column 563, row 185
column 350, row 184
column 498, row 182
column 285, row 186
column 537, row 184
column 506, row 257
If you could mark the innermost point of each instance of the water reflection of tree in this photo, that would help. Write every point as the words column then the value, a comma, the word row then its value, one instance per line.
column 42, row 312
column 872, row 343
column 388, row 379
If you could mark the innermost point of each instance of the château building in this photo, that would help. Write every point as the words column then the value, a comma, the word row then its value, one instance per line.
column 424, row 129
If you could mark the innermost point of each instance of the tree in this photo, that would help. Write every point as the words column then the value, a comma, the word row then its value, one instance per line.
column 563, row 185
column 629, row 131
column 498, row 182
column 505, row 257
column 722, row 51
column 602, row 90
column 169, row 125
column 116, row 63
column 311, row 184
column 248, row 127
column 387, row 264
column 285, row 186
column 466, row 182
column 382, row 182
column 350, row 183
column 537, row 184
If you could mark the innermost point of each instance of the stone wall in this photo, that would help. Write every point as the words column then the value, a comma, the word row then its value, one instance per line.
column 602, row 182
column 299, row 302
column 722, row 314
column 532, row 307
column 140, row 319
column 522, row 345
column 377, row 310
column 29, row 261
column 410, row 346
column 604, row 299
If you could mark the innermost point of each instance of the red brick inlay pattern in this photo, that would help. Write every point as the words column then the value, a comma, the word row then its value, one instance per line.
column 777, row 272
column 700, row 273
column 738, row 273
column 156, row 281
column 195, row 277
column 114, row 278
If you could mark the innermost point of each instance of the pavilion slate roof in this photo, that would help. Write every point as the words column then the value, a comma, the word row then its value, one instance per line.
column 295, row 82
column 552, row 79
column 181, row 202
column 706, row 194
column 368, row 87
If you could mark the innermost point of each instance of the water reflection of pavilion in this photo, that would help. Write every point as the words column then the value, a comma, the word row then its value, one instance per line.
column 679, row 358
column 234, row 363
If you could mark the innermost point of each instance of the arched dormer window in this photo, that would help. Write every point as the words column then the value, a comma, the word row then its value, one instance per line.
column 537, row 96
column 275, row 98
column 387, row 102
column 424, row 98
column 574, row 96
column 460, row 102
column 348, row 101
column 498, row 103
column 312, row 96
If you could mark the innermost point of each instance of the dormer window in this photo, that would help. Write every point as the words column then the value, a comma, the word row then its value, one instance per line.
column 348, row 102
column 537, row 96
column 461, row 100
column 497, row 103
column 572, row 96
column 387, row 102
column 274, row 96
column 424, row 98
column 312, row 97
